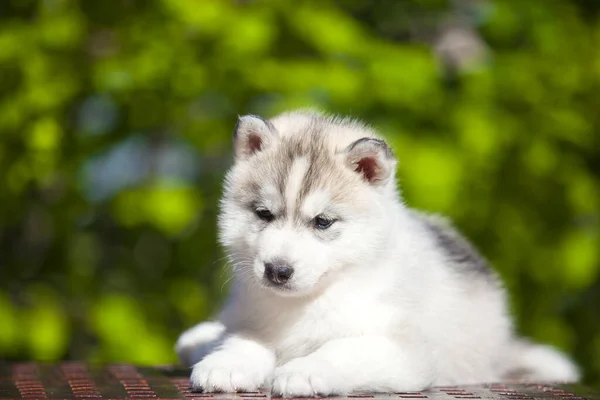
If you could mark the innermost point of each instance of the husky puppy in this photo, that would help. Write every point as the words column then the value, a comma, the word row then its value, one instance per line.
column 338, row 286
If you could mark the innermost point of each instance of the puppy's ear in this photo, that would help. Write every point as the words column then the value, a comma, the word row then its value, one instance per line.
column 372, row 159
column 251, row 135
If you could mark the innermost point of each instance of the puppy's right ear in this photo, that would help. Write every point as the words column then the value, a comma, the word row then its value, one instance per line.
column 251, row 135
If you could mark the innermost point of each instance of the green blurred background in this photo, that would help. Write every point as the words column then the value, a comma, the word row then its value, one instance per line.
column 115, row 126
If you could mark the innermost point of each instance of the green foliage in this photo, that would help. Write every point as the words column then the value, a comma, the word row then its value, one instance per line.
column 115, row 121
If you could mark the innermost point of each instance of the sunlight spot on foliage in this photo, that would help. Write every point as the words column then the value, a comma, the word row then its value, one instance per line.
column 45, row 135
column 314, row 23
column 258, row 32
column 206, row 16
column 47, row 329
column 435, row 172
column 62, row 31
column 168, row 208
column 478, row 135
column 579, row 253
column 124, row 333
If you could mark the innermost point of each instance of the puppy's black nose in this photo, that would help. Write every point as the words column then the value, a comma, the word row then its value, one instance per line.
column 278, row 272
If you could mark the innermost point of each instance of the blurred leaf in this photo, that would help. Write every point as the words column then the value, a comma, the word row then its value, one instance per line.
column 580, row 259
column 433, row 173
column 9, row 328
column 45, row 135
column 46, row 324
column 125, row 334
column 168, row 208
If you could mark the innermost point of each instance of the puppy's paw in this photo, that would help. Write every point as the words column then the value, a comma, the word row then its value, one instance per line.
column 228, row 372
column 307, row 377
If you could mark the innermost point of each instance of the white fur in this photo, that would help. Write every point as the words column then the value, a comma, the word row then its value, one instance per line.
column 198, row 341
column 294, row 184
column 378, row 308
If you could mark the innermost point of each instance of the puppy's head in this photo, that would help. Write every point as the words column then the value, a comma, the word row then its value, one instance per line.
column 305, row 198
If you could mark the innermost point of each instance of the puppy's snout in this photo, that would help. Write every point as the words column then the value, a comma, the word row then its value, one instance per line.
column 278, row 272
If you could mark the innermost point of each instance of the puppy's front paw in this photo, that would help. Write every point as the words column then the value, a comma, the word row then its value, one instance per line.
column 307, row 377
column 228, row 372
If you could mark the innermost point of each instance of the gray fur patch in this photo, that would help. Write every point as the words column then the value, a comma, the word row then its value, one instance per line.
column 459, row 251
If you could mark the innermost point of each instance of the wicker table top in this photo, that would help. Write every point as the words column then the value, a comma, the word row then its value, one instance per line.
column 75, row 380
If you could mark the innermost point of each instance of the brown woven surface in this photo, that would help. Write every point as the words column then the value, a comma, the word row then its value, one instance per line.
column 123, row 381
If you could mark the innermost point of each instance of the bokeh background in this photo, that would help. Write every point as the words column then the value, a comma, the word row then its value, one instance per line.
column 115, row 126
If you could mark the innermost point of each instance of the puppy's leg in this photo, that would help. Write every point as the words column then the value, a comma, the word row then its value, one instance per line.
column 198, row 341
column 373, row 363
column 239, row 364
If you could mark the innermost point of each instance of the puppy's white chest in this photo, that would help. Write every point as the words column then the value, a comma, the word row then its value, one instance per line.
column 328, row 319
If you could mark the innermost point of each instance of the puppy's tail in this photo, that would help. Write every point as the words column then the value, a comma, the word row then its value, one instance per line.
column 198, row 341
column 535, row 362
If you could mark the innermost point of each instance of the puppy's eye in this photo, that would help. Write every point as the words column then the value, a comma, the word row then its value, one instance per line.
column 264, row 214
column 322, row 222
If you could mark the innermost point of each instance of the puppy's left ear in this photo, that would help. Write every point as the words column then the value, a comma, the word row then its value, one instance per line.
column 372, row 159
column 251, row 135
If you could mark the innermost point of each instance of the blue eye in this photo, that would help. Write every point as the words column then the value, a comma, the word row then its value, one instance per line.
column 264, row 214
column 322, row 222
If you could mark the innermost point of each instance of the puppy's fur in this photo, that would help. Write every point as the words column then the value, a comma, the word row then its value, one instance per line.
column 380, row 297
